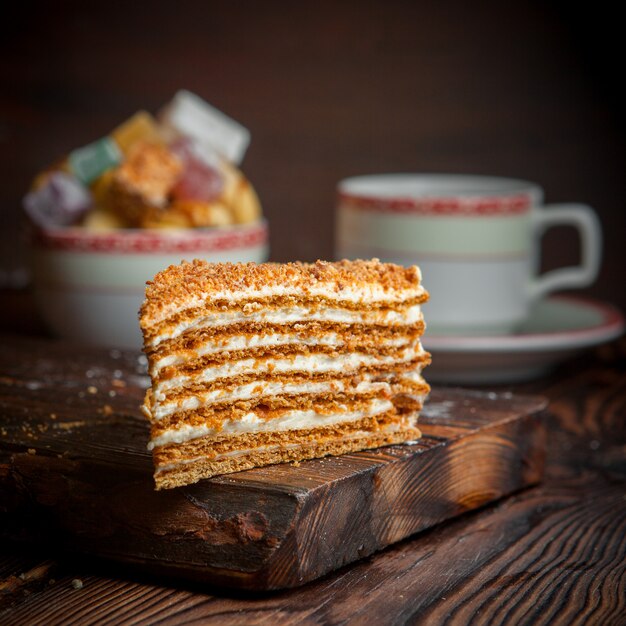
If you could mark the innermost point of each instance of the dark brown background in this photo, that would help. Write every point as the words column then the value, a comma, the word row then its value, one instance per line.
column 332, row 89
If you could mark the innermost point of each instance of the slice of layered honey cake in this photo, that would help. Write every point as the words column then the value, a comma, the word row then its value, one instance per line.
column 259, row 364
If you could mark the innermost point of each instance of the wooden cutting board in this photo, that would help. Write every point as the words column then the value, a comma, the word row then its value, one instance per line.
column 74, row 470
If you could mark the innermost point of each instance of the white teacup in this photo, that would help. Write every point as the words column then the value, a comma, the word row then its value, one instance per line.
column 475, row 238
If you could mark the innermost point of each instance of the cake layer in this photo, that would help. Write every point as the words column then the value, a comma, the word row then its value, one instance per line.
column 213, row 445
column 265, row 392
column 222, row 446
column 311, row 364
column 180, row 465
column 275, row 392
column 292, row 314
column 301, row 337
column 267, row 409
column 254, row 422
column 193, row 365
column 190, row 285
column 271, row 408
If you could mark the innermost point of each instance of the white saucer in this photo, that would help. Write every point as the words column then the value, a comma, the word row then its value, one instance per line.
column 558, row 328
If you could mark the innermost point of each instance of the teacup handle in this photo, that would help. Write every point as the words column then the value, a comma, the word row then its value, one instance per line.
column 584, row 219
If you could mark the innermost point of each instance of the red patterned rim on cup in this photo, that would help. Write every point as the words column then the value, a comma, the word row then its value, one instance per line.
column 475, row 206
column 153, row 242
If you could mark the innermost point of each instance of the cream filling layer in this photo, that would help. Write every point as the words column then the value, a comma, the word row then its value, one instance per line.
column 306, row 363
column 243, row 342
column 253, row 423
column 291, row 315
column 360, row 434
column 367, row 294
column 264, row 389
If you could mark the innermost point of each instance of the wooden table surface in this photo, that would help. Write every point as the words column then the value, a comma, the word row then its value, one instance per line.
column 551, row 554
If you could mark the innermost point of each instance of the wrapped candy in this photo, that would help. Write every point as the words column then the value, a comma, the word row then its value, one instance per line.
column 189, row 115
column 178, row 172
column 199, row 179
column 60, row 201
column 140, row 127
column 91, row 161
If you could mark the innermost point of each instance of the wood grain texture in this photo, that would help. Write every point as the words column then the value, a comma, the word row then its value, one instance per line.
column 78, row 472
column 550, row 555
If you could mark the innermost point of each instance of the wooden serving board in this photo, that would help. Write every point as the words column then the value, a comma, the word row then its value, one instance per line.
column 74, row 470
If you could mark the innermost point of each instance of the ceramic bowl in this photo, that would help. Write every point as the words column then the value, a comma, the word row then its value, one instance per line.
column 89, row 285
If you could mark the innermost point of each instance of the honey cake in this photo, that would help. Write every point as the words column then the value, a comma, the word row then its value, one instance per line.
column 255, row 364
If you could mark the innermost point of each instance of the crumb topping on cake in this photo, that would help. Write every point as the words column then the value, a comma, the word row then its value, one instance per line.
column 177, row 283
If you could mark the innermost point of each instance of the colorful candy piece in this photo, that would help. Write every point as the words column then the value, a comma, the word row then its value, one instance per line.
column 180, row 172
column 198, row 180
column 190, row 149
column 198, row 183
column 189, row 115
column 60, row 201
column 140, row 127
column 91, row 161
